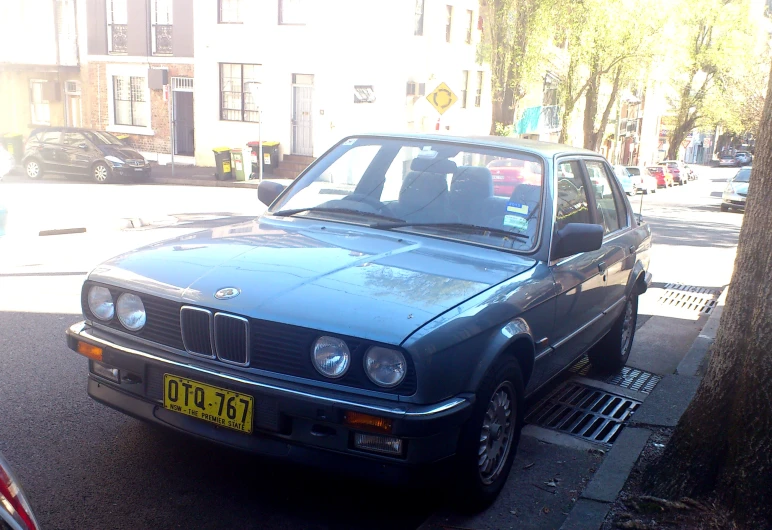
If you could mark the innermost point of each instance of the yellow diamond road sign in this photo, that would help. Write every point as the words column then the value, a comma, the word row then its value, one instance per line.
column 442, row 98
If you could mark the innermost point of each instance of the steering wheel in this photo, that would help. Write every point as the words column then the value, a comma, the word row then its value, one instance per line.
column 377, row 205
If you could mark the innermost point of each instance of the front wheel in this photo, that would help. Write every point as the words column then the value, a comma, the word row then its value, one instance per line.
column 613, row 350
column 100, row 173
column 489, row 439
column 33, row 170
column 724, row 208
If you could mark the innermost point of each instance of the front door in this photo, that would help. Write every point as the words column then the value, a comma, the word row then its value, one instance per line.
column 580, row 279
column 183, row 123
column 302, row 98
column 78, row 153
column 73, row 110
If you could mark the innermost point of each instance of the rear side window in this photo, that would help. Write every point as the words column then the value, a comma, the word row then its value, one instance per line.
column 573, row 206
column 611, row 209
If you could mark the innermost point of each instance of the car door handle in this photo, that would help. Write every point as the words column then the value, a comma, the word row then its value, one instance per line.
column 602, row 266
column 632, row 249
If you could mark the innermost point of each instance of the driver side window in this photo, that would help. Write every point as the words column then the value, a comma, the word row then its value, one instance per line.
column 573, row 206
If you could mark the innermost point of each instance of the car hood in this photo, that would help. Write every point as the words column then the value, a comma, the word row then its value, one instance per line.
column 124, row 153
column 740, row 188
column 337, row 278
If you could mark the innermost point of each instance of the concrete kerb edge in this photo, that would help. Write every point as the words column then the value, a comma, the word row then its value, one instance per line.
column 590, row 513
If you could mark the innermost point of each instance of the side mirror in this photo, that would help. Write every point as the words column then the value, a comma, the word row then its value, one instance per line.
column 575, row 238
column 83, row 145
column 268, row 191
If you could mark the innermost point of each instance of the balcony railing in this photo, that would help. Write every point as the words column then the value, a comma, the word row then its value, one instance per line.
column 162, row 36
column 119, row 40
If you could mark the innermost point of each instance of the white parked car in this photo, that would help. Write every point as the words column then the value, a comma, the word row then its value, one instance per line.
column 642, row 179
column 624, row 179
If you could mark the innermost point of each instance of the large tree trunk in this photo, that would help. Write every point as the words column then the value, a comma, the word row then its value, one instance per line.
column 607, row 110
column 591, row 109
column 723, row 443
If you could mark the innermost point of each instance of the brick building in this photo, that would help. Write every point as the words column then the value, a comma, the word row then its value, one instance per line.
column 139, row 71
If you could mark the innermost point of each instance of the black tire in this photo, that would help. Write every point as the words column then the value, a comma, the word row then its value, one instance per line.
column 724, row 208
column 100, row 173
column 613, row 350
column 33, row 169
column 477, row 489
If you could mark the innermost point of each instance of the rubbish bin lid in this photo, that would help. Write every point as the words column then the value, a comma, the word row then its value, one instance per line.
column 265, row 144
column 238, row 150
column 221, row 149
column 12, row 135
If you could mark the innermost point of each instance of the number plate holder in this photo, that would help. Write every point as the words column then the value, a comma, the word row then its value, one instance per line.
column 226, row 408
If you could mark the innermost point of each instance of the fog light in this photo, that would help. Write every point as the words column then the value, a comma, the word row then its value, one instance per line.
column 378, row 444
column 357, row 419
column 108, row 372
column 90, row 351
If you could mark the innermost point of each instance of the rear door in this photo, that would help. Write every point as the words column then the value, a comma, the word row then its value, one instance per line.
column 50, row 150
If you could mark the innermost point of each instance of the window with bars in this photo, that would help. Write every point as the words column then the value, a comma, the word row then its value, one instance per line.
column 40, row 111
column 117, row 19
column 419, row 17
column 130, row 101
column 448, row 22
column 469, row 25
column 293, row 11
column 161, row 21
column 464, row 87
column 230, row 12
column 478, row 94
column 236, row 101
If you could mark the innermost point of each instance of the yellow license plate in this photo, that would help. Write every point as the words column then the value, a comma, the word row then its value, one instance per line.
column 209, row 403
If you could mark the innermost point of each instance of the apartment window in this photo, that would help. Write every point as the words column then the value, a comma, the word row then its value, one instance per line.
column 469, row 25
column 40, row 111
column 292, row 11
column 419, row 17
column 448, row 22
column 129, row 101
column 236, row 102
column 478, row 94
column 230, row 12
column 161, row 20
column 117, row 39
column 464, row 87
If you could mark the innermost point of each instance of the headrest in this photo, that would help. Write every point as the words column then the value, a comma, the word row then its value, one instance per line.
column 473, row 181
column 526, row 194
column 435, row 165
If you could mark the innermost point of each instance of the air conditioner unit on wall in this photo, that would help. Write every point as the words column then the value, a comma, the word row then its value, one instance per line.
column 157, row 78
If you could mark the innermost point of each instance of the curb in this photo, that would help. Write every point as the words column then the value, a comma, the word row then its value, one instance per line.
column 662, row 408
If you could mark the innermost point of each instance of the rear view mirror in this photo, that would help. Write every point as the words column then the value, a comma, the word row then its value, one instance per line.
column 575, row 238
column 268, row 191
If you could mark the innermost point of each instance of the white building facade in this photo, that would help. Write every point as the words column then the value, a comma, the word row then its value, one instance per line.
column 328, row 69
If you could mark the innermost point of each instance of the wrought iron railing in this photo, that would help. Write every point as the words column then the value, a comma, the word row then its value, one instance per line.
column 163, row 39
column 119, row 40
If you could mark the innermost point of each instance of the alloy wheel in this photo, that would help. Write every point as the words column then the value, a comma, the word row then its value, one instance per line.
column 33, row 169
column 627, row 326
column 497, row 434
column 100, row 173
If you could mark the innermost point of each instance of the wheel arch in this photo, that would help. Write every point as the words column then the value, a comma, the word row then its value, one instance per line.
column 513, row 340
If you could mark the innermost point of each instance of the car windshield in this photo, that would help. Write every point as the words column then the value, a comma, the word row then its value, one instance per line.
column 744, row 175
column 103, row 138
column 471, row 193
column 634, row 171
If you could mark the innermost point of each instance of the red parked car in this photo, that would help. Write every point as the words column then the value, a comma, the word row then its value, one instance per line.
column 680, row 175
column 663, row 176
column 510, row 173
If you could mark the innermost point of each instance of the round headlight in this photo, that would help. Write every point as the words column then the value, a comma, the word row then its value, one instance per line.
column 331, row 357
column 131, row 311
column 100, row 302
column 385, row 367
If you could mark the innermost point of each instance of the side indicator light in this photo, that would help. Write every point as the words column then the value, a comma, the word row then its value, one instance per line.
column 90, row 351
column 357, row 419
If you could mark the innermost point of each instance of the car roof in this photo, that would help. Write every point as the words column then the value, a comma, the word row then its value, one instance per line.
column 546, row 149
column 63, row 129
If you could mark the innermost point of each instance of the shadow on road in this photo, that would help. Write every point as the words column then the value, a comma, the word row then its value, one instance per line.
column 668, row 231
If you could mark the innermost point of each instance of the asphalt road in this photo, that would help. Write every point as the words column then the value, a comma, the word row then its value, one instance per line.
column 86, row 466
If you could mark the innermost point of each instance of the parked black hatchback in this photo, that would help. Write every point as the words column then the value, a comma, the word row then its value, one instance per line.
column 71, row 151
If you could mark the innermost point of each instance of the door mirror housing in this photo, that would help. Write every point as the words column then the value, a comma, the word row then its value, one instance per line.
column 575, row 238
column 83, row 145
column 268, row 191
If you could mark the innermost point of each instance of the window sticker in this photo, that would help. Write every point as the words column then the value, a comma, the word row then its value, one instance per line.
column 350, row 141
column 516, row 222
column 515, row 207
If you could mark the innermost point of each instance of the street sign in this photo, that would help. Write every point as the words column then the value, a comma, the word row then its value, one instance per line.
column 442, row 98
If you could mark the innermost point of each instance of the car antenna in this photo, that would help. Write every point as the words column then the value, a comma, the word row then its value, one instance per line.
column 640, row 208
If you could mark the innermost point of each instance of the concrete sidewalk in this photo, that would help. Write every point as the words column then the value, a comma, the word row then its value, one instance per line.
column 202, row 176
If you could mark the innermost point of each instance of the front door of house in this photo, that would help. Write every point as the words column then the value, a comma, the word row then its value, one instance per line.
column 302, row 126
column 183, row 123
column 73, row 110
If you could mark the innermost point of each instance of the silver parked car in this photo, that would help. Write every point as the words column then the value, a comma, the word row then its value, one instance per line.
column 390, row 311
column 736, row 192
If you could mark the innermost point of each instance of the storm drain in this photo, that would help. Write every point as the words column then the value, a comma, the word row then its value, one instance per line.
column 588, row 413
column 701, row 300
column 632, row 378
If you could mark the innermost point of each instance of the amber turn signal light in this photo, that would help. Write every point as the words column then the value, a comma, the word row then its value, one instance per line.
column 90, row 351
column 357, row 419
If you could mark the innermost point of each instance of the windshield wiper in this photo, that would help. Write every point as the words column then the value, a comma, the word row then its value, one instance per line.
column 347, row 211
column 453, row 226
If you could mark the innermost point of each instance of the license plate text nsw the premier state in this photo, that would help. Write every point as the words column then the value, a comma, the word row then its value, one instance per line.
column 209, row 403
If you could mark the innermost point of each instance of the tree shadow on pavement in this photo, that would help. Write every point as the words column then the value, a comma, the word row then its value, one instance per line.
column 668, row 231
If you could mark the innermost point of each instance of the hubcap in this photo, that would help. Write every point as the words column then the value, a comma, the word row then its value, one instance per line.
column 627, row 327
column 497, row 432
column 100, row 173
column 33, row 170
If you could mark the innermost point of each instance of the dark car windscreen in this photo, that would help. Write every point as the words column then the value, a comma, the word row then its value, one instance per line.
column 744, row 175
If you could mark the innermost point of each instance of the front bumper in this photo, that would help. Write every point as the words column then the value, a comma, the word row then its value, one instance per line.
column 292, row 421
column 132, row 172
column 734, row 201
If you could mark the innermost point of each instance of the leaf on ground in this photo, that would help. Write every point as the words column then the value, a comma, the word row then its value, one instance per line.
column 529, row 466
column 673, row 505
column 551, row 484
column 694, row 504
column 545, row 509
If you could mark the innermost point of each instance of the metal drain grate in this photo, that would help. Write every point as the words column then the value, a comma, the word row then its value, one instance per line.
column 632, row 378
column 689, row 298
column 585, row 412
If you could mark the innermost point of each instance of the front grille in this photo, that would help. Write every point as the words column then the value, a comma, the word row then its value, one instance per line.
column 231, row 339
column 196, row 326
column 135, row 163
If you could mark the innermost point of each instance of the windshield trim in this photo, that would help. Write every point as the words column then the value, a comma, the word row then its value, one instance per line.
column 471, row 144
